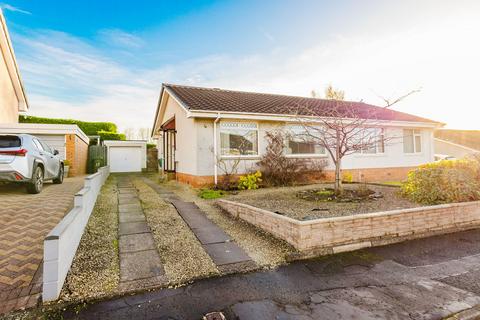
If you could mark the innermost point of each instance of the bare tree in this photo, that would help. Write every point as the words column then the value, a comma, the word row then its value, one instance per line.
column 280, row 170
column 344, row 128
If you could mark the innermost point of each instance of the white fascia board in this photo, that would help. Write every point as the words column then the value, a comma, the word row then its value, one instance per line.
column 162, row 104
column 6, row 49
column 43, row 128
column 293, row 118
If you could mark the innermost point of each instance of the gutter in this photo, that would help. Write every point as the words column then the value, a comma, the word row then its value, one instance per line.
column 215, row 151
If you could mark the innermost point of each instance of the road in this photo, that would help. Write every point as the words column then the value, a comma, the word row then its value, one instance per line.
column 421, row 279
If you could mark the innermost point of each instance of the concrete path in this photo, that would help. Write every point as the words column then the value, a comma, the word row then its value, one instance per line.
column 25, row 220
column 140, row 264
column 225, row 253
column 369, row 284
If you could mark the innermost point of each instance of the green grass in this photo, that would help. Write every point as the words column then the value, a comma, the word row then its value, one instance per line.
column 392, row 183
column 211, row 194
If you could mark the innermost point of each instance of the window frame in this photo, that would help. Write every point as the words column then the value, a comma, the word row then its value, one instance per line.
column 382, row 131
column 236, row 156
column 414, row 134
column 301, row 155
column 38, row 145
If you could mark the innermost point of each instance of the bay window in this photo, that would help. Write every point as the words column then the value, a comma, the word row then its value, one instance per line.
column 238, row 139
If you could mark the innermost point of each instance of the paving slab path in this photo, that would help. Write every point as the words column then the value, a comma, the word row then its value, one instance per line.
column 140, row 263
column 224, row 252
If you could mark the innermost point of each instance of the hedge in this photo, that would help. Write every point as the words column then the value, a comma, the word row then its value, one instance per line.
column 444, row 181
column 104, row 135
column 90, row 128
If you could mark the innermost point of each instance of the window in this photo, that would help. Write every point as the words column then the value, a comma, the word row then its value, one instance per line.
column 373, row 141
column 38, row 145
column 238, row 139
column 412, row 141
column 10, row 142
column 301, row 142
column 46, row 147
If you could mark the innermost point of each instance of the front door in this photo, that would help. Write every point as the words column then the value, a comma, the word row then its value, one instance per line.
column 169, row 150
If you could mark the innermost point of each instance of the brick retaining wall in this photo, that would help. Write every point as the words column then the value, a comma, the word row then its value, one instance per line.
column 332, row 235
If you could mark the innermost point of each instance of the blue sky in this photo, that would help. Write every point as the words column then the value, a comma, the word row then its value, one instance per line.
column 106, row 60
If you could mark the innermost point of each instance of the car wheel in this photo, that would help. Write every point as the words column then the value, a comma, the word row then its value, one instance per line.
column 59, row 178
column 36, row 184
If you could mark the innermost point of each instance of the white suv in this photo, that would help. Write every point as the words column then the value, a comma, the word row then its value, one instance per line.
column 27, row 159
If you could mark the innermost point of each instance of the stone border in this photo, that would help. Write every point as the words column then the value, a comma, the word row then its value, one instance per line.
column 339, row 234
column 61, row 244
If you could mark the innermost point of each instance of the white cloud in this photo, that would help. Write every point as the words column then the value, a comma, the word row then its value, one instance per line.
column 6, row 6
column 120, row 38
column 68, row 77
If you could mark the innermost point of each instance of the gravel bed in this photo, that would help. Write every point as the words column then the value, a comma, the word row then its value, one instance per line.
column 263, row 248
column 284, row 201
column 95, row 271
column 181, row 253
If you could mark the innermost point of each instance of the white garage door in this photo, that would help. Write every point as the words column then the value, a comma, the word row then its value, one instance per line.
column 125, row 159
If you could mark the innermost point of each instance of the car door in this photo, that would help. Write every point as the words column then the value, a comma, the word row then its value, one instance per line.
column 42, row 156
column 53, row 162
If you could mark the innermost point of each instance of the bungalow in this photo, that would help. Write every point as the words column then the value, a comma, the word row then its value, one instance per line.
column 199, row 128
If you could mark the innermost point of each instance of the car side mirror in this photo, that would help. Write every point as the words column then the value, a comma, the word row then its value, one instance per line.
column 55, row 152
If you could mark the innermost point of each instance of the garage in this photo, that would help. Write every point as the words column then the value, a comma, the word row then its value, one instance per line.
column 126, row 156
column 70, row 141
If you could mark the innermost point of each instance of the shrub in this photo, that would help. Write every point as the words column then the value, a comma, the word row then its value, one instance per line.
column 250, row 181
column 279, row 170
column 151, row 145
column 105, row 135
column 90, row 128
column 445, row 181
column 210, row 194
column 347, row 177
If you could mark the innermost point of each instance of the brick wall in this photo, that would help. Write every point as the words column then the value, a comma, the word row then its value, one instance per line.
column 332, row 235
column 359, row 175
column 76, row 154
column 81, row 156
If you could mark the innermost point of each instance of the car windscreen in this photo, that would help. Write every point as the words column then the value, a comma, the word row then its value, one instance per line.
column 10, row 142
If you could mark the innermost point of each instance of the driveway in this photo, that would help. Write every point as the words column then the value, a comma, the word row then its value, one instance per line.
column 421, row 279
column 25, row 221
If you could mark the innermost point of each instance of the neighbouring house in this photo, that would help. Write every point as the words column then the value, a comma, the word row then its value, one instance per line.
column 457, row 143
column 196, row 128
column 445, row 149
column 12, row 93
column 70, row 141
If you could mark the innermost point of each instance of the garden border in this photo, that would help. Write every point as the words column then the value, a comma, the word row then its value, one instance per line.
column 348, row 233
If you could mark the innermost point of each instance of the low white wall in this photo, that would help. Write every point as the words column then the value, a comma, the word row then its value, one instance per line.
column 61, row 244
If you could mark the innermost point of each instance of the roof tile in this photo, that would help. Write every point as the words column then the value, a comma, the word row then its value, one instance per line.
column 213, row 99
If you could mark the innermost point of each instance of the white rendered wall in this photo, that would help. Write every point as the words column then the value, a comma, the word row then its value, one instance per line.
column 393, row 156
